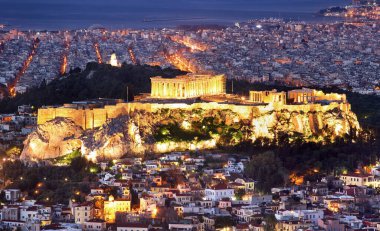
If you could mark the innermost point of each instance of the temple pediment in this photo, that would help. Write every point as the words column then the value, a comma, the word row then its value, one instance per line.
column 187, row 86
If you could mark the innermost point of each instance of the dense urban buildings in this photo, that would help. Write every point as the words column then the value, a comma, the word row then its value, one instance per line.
column 342, row 54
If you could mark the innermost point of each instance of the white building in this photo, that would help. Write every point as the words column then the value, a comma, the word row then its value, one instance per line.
column 219, row 191
column 12, row 194
column 181, row 226
column 307, row 215
column 28, row 214
column 248, row 184
column 133, row 227
column 83, row 213
column 94, row 225
column 351, row 221
column 357, row 179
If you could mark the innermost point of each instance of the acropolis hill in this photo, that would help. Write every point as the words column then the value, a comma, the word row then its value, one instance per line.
column 189, row 112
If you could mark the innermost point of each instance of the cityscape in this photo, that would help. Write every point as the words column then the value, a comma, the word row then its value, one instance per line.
column 299, row 54
column 250, row 123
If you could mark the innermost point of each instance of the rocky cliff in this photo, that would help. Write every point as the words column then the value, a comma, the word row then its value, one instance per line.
column 53, row 139
column 176, row 129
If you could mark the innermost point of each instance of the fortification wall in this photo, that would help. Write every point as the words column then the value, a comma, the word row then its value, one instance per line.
column 92, row 118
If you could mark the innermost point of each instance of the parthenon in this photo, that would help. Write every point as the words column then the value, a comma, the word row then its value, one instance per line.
column 188, row 86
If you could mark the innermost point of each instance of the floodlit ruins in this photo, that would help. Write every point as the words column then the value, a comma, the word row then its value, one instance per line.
column 188, row 86
column 187, row 113
column 203, row 89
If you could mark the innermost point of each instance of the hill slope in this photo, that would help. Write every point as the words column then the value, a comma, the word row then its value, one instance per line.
column 96, row 81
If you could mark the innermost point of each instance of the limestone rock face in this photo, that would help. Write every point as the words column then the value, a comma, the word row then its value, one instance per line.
column 312, row 126
column 113, row 140
column 53, row 139
column 137, row 132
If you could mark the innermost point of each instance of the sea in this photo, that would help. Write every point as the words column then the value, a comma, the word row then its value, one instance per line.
column 116, row 14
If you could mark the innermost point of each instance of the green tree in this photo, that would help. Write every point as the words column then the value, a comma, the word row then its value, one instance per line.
column 224, row 222
column 266, row 168
column 13, row 151
column 240, row 193
column 78, row 163
column 270, row 222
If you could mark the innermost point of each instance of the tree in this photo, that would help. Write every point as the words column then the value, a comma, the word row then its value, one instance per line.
column 42, row 84
column 270, row 222
column 78, row 163
column 135, row 201
column 13, row 151
column 223, row 222
column 267, row 168
column 240, row 193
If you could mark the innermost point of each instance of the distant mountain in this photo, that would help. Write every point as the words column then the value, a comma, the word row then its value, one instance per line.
column 96, row 81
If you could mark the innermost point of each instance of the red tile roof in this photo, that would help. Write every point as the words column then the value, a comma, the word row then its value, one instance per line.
column 220, row 186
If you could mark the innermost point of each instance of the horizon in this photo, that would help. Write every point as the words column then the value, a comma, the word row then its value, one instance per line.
column 116, row 14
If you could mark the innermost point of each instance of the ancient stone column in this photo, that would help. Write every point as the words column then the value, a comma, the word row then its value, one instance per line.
column 193, row 89
column 183, row 90
column 196, row 89
column 176, row 90
column 170, row 89
column 154, row 89
column 214, row 87
column 162, row 89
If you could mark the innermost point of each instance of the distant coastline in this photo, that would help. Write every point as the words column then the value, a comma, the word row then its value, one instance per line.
column 171, row 19
column 159, row 23
column 147, row 14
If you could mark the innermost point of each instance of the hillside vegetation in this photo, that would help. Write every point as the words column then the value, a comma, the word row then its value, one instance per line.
column 96, row 81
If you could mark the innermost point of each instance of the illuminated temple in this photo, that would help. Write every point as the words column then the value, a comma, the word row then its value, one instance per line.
column 188, row 86
column 210, row 91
